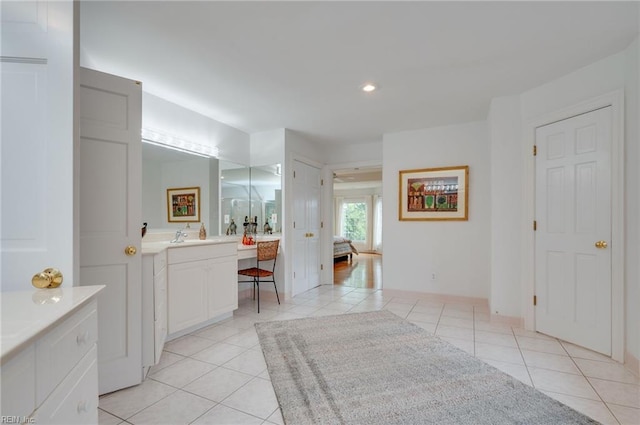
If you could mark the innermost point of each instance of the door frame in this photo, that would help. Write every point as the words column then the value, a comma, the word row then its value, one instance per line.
column 329, row 223
column 615, row 100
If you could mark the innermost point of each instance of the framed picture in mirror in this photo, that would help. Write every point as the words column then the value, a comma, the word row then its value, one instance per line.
column 183, row 205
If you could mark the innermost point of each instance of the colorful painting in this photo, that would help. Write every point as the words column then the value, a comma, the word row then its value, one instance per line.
column 434, row 194
column 183, row 204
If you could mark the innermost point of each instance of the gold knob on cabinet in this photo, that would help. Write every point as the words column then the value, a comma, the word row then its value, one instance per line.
column 601, row 244
column 130, row 250
column 48, row 278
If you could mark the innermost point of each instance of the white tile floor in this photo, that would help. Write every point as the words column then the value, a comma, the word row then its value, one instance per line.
column 218, row 375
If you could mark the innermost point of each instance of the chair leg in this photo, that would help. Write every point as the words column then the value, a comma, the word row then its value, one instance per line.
column 274, row 285
column 258, row 285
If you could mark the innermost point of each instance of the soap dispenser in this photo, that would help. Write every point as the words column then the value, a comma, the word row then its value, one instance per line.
column 203, row 232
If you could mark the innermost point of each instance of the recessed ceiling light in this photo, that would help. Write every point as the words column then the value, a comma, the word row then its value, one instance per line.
column 369, row 87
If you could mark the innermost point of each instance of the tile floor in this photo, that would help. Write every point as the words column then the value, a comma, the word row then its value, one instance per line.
column 218, row 375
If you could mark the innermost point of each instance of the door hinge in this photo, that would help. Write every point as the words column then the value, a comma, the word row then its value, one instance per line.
column 535, row 225
column 294, row 174
column 322, row 224
column 294, row 275
column 535, row 300
column 294, row 224
column 321, row 266
column 535, row 150
column 321, row 182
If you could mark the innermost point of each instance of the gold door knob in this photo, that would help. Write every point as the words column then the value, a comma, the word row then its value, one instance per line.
column 601, row 244
column 48, row 278
column 130, row 250
column 310, row 235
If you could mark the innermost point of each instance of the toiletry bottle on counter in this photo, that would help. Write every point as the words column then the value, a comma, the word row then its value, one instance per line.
column 203, row 232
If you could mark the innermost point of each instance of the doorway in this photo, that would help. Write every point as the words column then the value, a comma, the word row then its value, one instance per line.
column 357, row 225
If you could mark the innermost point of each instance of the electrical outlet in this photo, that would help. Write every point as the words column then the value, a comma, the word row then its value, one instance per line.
column 434, row 276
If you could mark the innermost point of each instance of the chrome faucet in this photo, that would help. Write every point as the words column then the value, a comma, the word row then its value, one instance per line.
column 179, row 234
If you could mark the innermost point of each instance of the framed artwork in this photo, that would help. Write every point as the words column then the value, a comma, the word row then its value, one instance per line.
column 183, row 205
column 434, row 194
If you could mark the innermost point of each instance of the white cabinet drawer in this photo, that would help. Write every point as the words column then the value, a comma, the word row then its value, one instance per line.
column 62, row 348
column 184, row 254
column 75, row 400
column 19, row 384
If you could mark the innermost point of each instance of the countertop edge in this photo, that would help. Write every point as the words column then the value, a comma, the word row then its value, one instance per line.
column 16, row 346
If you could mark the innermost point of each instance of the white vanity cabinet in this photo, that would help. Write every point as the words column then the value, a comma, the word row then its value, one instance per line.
column 202, row 284
column 49, row 356
column 154, row 308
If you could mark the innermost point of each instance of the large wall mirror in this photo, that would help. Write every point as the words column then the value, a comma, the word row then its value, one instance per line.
column 229, row 192
column 164, row 168
column 251, row 199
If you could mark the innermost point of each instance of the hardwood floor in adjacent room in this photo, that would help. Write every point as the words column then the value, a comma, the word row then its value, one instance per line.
column 364, row 271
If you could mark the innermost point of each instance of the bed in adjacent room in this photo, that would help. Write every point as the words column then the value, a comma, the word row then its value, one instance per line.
column 343, row 248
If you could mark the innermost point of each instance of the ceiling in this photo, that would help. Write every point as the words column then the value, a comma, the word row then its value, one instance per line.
column 259, row 66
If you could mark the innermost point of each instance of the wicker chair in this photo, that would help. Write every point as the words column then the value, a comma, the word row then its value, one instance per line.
column 266, row 251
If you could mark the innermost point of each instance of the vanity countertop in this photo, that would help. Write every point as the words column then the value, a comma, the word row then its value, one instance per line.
column 28, row 314
column 159, row 246
column 155, row 246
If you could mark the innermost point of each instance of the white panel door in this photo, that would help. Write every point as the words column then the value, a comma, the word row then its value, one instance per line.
column 573, row 214
column 36, row 154
column 306, row 218
column 110, row 220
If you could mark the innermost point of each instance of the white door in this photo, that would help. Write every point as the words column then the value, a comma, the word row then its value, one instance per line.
column 110, row 220
column 306, row 227
column 573, row 215
column 36, row 153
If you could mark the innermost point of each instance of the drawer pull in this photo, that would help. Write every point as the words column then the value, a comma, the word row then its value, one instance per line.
column 82, row 407
column 82, row 338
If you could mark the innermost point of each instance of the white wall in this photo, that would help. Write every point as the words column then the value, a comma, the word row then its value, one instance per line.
column 505, row 131
column 340, row 154
column 267, row 147
column 166, row 117
column 617, row 72
column 457, row 251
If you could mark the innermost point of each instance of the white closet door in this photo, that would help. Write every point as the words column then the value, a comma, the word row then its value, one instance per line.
column 36, row 154
column 306, row 217
column 573, row 213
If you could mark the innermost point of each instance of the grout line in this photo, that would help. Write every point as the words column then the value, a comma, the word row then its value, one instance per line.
column 526, row 366
column 588, row 381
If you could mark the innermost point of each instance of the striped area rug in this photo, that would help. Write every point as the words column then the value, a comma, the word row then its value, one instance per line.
column 376, row 368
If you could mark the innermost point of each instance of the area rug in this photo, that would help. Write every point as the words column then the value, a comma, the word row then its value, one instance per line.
column 376, row 368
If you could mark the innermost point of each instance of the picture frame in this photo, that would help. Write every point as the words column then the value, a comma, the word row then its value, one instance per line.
column 183, row 205
column 434, row 194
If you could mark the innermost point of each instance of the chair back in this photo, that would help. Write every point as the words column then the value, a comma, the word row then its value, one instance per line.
column 267, row 250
